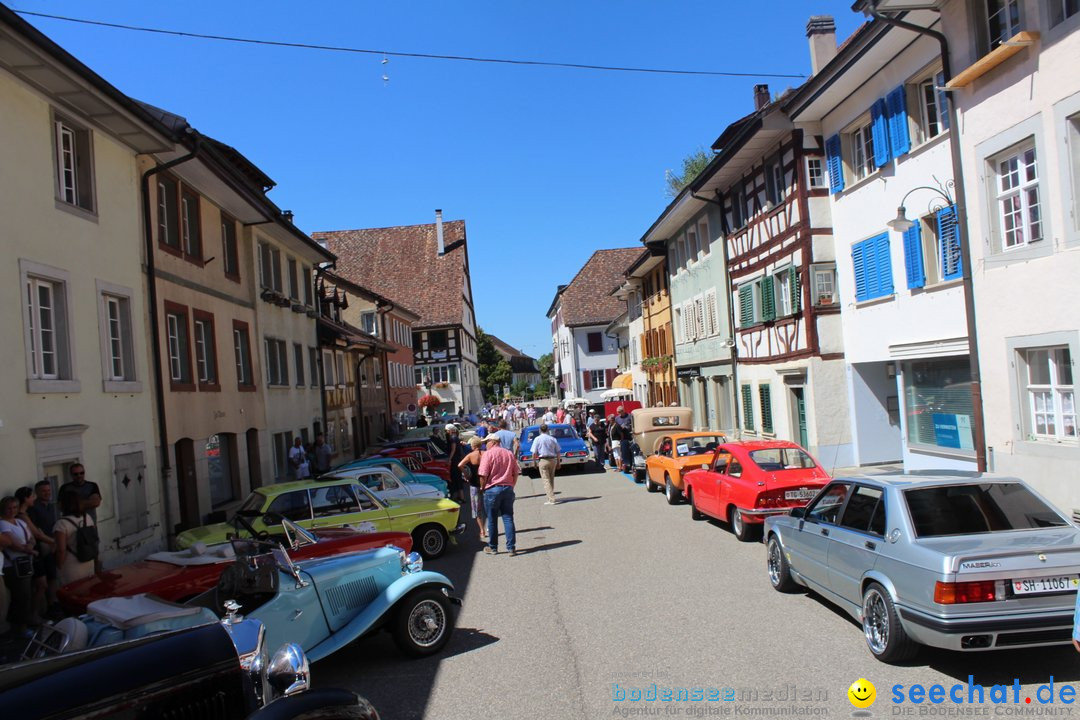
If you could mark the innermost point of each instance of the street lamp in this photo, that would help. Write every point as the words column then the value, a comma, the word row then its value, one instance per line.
column 901, row 223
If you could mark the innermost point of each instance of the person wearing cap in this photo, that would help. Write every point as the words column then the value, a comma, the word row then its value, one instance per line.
column 546, row 451
column 456, row 487
column 470, row 473
column 498, row 476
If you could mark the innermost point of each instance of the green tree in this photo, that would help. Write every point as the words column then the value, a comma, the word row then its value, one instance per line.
column 692, row 165
column 494, row 369
column 546, row 363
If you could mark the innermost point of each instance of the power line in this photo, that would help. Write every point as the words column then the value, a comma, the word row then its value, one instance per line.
column 391, row 53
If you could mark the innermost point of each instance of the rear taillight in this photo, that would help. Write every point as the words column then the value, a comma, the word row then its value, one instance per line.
column 965, row 592
column 771, row 501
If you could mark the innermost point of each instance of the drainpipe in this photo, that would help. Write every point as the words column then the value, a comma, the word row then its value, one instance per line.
column 978, row 429
column 155, row 328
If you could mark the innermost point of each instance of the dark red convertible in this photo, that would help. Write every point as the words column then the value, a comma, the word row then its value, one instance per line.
column 177, row 576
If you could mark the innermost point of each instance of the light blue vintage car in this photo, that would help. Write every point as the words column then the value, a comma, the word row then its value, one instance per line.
column 400, row 471
column 951, row 560
column 321, row 605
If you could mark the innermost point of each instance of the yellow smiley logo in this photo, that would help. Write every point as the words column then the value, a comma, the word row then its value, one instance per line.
column 862, row 693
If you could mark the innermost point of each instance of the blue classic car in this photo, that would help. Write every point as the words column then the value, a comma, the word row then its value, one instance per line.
column 958, row 561
column 573, row 451
column 401, row 472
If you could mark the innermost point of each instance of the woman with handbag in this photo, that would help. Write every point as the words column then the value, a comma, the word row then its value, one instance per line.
column 18, row 565
column 470, row 473
column 72, row 536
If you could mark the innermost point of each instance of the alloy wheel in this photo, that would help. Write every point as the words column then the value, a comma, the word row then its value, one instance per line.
column 875, row 621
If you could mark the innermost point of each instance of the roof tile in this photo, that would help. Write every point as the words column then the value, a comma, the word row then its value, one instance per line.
column 587, row 300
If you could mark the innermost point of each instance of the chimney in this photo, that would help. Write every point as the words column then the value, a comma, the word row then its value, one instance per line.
column 821, row 32
column 761, row 96
column 287, row 214
column 438, row 232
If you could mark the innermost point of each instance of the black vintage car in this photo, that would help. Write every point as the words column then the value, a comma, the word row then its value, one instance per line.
column 217, row 671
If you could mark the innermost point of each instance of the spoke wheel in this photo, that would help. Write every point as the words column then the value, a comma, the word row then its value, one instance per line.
column 881, row 625
column 431, row 541
column 424, row 623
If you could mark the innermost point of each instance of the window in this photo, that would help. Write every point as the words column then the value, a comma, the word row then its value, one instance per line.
column 313, row 366
column 748, row 407
column 873, row 268
column 294, row 280
column 712, row 326
column 1060, row 10
column 699, row 317
column 865, row 511
column 598, row 379
column 824, row 284
column 826, row 508
column 328, row 367
column 74, row 166
column 190, row 228
column 418, row 376
column 205, row 351
column 229, row 249
column 117, row 339
column 367, row 322
column 815, row 173
column 703, row 239
column 933, row 108
column 305, row 278
column 277, row 362
column 48, row 343
column 221, row 469
column 269, row 267
column 242, row 355
column 298, row 363
column 862, row 151
column 167, row 214
column 1002, row 21
column 339, row 359
column 786, row 291
column 835, row 162
column 1019, row 211
column 765, row 396
column 775, row 186
column 692, row 244
column 179, row 346
column 738, row 209
column 596, row 342
column 282, row 441
column 379, row 372
column 937, row 399
column 1051, row 406
column 438, row 341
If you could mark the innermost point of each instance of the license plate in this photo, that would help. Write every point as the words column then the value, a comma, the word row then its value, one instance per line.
column 1056, row 583
column 801, row 494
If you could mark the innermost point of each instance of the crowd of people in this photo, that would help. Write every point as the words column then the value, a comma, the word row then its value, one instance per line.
column 46, row 544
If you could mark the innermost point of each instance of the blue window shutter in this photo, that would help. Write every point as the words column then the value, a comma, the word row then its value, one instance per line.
column 883, row 265
column 899, row 136
column 913, row 256
column 948, row 232
column 858, row 261
column 942, row 100
column 835, row 164
column 879, row 129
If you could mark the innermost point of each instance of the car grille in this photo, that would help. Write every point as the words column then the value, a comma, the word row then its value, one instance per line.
column 351, row 595
column 218, row 698
column 1033, row 636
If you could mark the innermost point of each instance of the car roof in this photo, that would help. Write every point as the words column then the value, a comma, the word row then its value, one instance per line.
column 928, row 478
column 751, row 445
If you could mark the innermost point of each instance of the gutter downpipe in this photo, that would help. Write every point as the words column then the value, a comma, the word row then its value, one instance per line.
column 736, row 409
column 978, row 428
column 155, row 330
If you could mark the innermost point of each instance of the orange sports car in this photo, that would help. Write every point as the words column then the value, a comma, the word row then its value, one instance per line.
column 677, row 454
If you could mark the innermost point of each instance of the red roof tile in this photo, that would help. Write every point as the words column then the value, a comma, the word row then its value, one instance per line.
column 403, row 263
column 587, row 300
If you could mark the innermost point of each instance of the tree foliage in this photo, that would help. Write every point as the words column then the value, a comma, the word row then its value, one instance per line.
column 692, row 165
column 546, row 363
column 494, row 369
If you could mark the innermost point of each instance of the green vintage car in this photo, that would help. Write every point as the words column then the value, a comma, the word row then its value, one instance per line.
column 342, row 502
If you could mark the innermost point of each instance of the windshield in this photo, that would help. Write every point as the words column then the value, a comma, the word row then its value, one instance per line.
column 978, row 508
column 702, row 445
column 563, row 433
column 398, row 470
column 774, row 459
column 253, row 505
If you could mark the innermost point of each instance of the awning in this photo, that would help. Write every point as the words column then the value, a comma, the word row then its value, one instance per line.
column 616, row 392
column 624, row 381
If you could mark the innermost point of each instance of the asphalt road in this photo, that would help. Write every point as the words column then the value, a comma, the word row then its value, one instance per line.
column 615, row 591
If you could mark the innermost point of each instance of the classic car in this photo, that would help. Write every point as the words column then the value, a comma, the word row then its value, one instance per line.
column 213, row 670
column 951, row 560
column 428, row 445
column 438, row 467
column 181, row 575
column 649, row 425
column 402, row 468
column 572, row 448
column 676, row 454
column 382, row 482
column 747, row 481
column 319, row 504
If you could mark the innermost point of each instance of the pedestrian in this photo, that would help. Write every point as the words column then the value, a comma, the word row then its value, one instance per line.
column 549, row 416
column 546, row 451
column 19, row 556
column 507, row 438
column 296, row 458
column 454, row 453
column 560, row 415
column 44, row 545
column 598, row 435
column 89, row 497
column 591, row 419
column 44, row 513
column 612, row 444
column 323, row 453
column 626, row 434
column 66, row 533
column 498, row 476
column 470, row 473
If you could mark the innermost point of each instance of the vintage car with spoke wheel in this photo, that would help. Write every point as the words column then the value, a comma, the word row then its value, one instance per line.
column 957, row 561
column 745, row 482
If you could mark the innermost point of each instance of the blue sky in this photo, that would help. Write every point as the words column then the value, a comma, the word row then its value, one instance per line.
column 544, row 165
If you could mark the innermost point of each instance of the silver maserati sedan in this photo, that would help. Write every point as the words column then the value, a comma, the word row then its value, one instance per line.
column 951, row 560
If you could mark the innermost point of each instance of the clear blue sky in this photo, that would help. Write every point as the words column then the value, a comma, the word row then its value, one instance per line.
column 544, row 165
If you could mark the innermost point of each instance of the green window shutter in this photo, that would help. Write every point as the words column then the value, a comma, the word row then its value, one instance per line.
column 748, row 407
column 746, row 306
column 768, row 299
column 765, row 395
column 793, row 283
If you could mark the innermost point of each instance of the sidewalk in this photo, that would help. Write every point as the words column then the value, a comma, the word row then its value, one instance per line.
column 866, row 470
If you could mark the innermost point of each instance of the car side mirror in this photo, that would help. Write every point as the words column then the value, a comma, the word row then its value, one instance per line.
column 272, row 518
column 798, row 512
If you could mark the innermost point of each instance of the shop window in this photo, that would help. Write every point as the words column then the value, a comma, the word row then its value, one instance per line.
column 938, row 404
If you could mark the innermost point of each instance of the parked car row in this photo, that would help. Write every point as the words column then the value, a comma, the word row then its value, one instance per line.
column 946, row 559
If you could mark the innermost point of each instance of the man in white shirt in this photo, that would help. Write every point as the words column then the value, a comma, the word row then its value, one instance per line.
column 549, row 416
column 546, row 451
column 297, row 458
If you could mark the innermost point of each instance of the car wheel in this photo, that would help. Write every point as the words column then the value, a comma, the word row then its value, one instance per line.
column 424, row 623
column 779, row 570
column 739, row 527
column 881, row 624
column 430, row 540
column 695, row 514
column 671, row 492
column 650, row 486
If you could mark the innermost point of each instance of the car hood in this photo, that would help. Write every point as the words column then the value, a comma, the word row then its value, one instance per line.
column 1013, row 549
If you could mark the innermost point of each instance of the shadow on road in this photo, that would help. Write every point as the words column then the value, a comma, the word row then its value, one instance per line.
column 563, row 501
column 466, row 640
column 549, row 546
column 535, row 529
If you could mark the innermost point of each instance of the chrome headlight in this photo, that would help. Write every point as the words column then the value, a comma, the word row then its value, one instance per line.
column 288, row 672
column 414, row 563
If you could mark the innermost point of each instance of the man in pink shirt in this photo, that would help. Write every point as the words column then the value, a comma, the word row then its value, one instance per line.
column 498, row 474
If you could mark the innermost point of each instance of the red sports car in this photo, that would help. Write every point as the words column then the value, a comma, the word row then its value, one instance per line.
column 746, row 481
column 177, row 576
